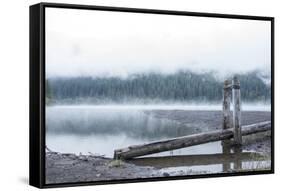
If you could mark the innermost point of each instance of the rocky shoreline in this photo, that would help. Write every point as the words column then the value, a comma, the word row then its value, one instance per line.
column 66, row 168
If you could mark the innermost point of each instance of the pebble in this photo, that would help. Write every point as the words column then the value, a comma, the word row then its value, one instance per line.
column 166, row 174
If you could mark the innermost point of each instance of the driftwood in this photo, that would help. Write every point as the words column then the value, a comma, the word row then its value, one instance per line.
column 186, row 141
column 49, row 150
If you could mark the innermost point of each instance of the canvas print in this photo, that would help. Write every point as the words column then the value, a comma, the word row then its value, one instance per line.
column 134, row 96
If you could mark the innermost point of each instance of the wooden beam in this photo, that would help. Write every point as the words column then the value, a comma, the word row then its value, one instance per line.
column 186, row 141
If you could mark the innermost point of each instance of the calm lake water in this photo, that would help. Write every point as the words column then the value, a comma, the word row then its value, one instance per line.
column 102, row 129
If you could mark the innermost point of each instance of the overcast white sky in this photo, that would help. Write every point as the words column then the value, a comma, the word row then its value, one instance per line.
column 100, row 43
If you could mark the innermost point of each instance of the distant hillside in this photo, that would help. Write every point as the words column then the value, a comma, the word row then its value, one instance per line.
column 183, row 86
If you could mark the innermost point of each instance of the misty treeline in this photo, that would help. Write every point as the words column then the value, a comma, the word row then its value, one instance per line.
column 183, row 86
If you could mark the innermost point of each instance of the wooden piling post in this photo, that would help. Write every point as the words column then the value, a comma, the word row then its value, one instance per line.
column 236, row 111
column 237, row 150
column 226, row 104
column 226, row 124
column 226, row 150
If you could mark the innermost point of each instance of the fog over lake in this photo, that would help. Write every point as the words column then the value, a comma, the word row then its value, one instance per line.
column 86, row 128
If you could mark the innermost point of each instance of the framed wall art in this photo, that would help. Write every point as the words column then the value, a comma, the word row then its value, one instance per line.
column 122, row 95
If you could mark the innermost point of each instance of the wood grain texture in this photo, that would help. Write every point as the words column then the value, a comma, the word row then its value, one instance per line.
column 186, row 141
column 236, row 111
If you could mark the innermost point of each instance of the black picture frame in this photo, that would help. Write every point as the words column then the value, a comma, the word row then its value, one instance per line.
column 37, row 91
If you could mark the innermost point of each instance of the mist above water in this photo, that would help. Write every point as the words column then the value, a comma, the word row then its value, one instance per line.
column 257, row 106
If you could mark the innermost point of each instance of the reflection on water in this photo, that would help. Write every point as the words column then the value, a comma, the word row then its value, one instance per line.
column 96, row 121
column 215, row 163
column 101, row 130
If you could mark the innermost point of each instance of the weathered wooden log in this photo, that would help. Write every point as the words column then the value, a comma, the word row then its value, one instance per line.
column 236, row 111
column 185, row 141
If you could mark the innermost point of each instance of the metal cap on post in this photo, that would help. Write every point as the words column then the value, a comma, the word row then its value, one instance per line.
column 236, row 110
